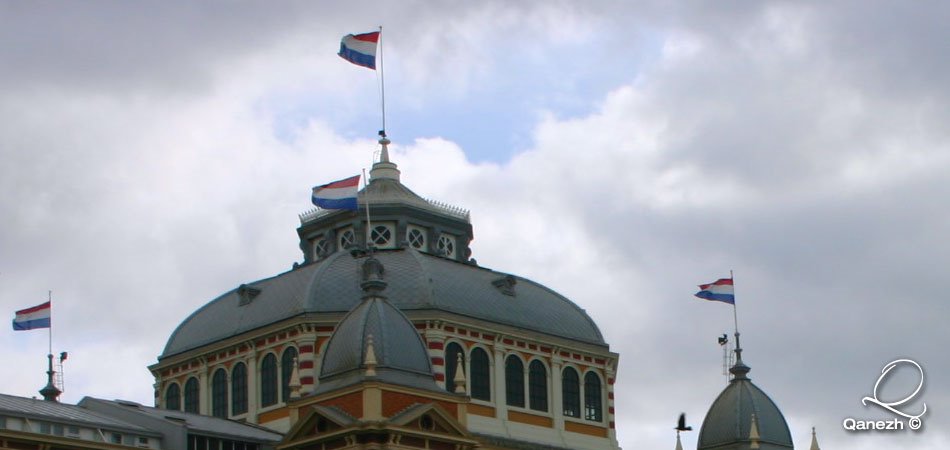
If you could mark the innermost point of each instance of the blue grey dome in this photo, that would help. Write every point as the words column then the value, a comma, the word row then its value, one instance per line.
column 729, row 420
column 417, row 281
column 396, row 343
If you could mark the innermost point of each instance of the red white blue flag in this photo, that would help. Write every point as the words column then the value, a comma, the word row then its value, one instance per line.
column 720, row 290
column 32, row 318
column 338, row 194
column 360, row 49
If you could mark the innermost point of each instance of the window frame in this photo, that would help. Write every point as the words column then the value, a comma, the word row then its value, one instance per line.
column 514, row 381
column 219, row 393
column 269, row 380
column 538, row 395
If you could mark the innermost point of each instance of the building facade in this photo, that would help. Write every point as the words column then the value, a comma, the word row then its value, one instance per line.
column 512, row 364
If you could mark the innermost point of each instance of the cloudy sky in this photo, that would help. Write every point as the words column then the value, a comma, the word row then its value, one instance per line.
column 156, row 154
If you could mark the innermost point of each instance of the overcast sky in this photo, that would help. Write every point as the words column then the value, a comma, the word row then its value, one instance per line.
column 154, row 155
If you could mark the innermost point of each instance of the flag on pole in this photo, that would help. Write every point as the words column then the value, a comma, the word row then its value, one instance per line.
column 338, row 194
column 720, row 290
column 360, row 49
column 32, row 318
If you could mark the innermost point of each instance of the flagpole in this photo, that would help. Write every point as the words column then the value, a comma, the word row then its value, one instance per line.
column 49, row 298
column 382, row 80
column 369, row 225
column 735, row 315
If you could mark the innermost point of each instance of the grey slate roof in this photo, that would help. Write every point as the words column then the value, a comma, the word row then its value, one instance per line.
column 730, row 417
column 416, row 281
column 396, row 342
column 64, row 413
column 193, row 423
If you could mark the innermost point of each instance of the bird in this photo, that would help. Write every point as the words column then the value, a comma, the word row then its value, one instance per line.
column 681, row 425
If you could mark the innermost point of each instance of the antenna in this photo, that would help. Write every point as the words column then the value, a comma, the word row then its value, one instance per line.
column 727, row 355
column 59, row 377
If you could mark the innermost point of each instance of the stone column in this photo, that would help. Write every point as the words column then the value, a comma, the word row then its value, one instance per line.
column 252, row 384
column 557, row 399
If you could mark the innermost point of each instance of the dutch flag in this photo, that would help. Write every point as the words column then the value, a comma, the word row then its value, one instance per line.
column 360, row 49
column 338, row 194
column 720, row 290
column 32, row 318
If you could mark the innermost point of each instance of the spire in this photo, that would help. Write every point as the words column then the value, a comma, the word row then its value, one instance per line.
column 370, row 360
column 679, row 445
column 459, row 379
column 814, row 440
column 739, row 370
column 49, row 392
column 384, row 169
column 294, row 383
column 754, row 433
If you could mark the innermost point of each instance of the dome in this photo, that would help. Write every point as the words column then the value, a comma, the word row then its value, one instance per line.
column 399, row 355
column 729, row 421
column 423, row 245
column 417, row 281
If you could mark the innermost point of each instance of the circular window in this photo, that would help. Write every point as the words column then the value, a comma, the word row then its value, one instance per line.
column 446, row 245
column 416, row 238
column 321, row 248
column 347, row 239
column 381, row 235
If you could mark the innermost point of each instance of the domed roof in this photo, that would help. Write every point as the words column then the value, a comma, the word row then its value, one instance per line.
column 416, row 281
column 399, row 354
column 729, row 421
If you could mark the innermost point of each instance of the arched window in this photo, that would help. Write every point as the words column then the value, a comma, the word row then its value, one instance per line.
column 269, row 380
column 238, row 389
column 173, row 397
column 571, row 392
column 480, row 375
column 537, row 386
column 286, row 368
column 191, row 395
column 593, row 409
column 219, row 394
column 453, row 352
column 514, row 381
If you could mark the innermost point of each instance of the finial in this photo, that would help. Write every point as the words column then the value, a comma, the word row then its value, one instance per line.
column 739, row 370
column 459, row 379
column 679, row 445
column 49, row 392
column 384, row 168
column 814, row 440
column 373, row 282
column 384, row 142
column 294, row 383
column 754, row 433
column 370, row 361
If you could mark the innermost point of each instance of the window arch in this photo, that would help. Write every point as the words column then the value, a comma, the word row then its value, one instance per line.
column 239, row 389
column 537, row 386
column 191, row 395
column 480, row 375
column 593, row 408
column 571, row 392
column 514, row 381
column 286, row 369
column 173, row 397
column 269, row 380
column 453, row 352
column 219, row 394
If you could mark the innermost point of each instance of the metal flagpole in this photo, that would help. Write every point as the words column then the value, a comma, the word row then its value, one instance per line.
column 735, row 315
column 49, row 298
column 369, row 225
column 382, row 80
